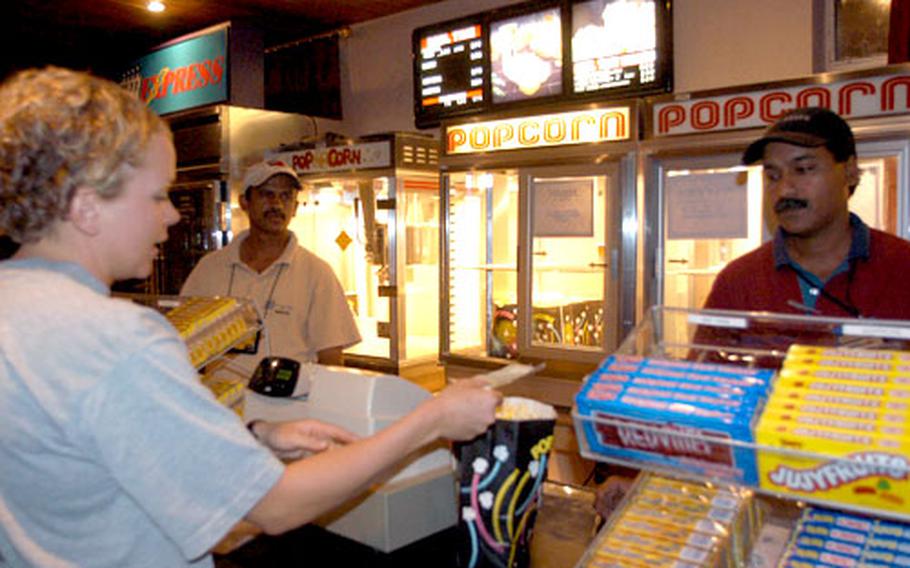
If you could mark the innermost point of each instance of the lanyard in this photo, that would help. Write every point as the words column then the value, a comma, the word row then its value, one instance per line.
column 268, row 301
column 846, row 304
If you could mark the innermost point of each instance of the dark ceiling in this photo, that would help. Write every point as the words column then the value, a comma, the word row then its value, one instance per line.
column 106, row 35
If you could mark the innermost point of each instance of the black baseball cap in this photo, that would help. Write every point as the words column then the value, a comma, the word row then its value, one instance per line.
column 809, row 127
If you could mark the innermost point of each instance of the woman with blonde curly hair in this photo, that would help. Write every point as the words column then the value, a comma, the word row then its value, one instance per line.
column 112, row 453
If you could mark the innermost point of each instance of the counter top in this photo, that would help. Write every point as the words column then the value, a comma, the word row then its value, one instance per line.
column 564, row 528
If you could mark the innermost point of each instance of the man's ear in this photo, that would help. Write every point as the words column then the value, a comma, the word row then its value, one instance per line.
column 296, row 202
column 244, row 202
column 851, row 168
column 85, row 210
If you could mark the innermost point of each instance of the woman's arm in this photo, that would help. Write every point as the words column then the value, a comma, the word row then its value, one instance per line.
column 315, row 485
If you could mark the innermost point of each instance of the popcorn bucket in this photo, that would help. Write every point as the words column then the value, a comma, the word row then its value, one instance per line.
column 501, row 474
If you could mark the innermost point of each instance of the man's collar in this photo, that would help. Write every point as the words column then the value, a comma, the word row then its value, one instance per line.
column 288, row 252
column 859, row 244
column 284, row 259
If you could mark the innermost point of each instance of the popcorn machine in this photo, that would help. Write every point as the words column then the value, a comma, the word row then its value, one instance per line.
column 539, row 237
column 370, row 208
column 539, row 174
column 707, row 209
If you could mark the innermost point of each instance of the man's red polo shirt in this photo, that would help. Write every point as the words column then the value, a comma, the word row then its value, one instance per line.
column 879, row 286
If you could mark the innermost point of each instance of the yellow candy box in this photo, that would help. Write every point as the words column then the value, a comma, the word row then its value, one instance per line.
column 850, row 353
column 872, row 472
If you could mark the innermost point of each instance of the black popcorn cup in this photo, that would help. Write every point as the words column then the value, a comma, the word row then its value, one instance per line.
column 500, row 485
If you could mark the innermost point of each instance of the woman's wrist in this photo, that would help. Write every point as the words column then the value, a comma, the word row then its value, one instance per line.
column 430, row 415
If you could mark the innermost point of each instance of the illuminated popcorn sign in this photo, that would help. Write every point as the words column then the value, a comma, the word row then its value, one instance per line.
column 577, row 127
column 853, row 98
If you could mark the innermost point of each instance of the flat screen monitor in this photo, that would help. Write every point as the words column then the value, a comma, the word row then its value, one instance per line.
column 450, row 71
column 617, row 46
column 526, row 56
column 539, row 53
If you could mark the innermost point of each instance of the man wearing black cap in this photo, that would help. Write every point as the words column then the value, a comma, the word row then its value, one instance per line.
column 823, row 260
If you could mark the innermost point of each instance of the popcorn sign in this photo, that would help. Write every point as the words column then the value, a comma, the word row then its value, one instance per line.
column 853, row 98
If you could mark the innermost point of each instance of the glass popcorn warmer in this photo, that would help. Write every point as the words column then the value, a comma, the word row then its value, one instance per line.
column 534, row 251
column 370, row 208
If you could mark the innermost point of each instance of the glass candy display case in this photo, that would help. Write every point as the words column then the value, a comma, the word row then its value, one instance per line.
column 211, row 327
column 370, row 208
column 829, row 426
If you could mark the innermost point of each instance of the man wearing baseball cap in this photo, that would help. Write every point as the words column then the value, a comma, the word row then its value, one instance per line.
column 823, row 260
column 303, row 306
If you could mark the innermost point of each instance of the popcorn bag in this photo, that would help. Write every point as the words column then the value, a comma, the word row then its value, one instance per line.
column 501, row 474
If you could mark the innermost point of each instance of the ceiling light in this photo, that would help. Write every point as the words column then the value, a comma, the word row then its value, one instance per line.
column 155, row 6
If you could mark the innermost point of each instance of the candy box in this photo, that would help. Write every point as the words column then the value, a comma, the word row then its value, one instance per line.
column 675, row 426
column 855, row 468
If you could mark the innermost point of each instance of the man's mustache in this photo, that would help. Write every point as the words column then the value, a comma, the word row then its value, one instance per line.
column 790, row 203
column 274, row 212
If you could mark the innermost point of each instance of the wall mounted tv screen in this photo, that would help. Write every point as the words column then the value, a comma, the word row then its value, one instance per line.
column 618, row 45
column 539, row 53
column 450, row 70
column 526, row 56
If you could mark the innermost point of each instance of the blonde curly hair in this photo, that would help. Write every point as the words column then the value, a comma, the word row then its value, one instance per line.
column 60, row 130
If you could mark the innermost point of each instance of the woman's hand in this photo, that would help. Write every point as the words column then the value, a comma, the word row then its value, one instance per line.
column 610, row 494
column 291, row 439
column 466, row 408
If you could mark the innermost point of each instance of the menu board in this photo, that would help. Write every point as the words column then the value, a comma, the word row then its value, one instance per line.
column 614, row 44
column 450, row 70
column 526, row 56
column 539, row 52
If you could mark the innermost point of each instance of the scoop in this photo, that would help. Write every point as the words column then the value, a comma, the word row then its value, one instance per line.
column 510, row 373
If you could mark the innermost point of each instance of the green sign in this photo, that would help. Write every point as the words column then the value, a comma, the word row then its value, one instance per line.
column 183, row 75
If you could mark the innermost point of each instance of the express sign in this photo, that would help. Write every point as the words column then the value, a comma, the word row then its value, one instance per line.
column 184, row 75
column 867, row 96
column 579, row 127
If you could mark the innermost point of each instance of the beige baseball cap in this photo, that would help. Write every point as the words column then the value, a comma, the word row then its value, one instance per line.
column 261, row 172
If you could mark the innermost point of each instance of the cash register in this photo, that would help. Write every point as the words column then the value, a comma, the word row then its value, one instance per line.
column 414, row 501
